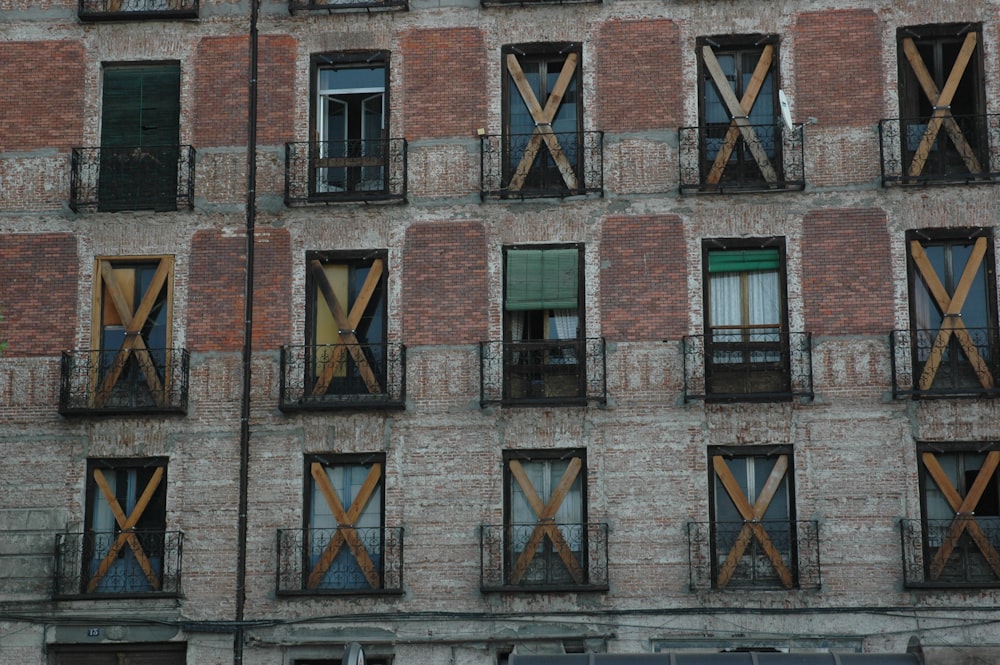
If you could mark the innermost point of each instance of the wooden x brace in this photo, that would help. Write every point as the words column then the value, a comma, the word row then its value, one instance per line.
column 941, row 101
column 127, row 533
column 964, row 508
column 347, row 323
column 951, row 310
column 543, row 122
column 739, row 112
column 752, row 528
column 133, row 341
column 345, row 526
column 546, row 525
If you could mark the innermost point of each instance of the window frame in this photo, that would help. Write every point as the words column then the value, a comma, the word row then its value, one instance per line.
column 547, row 548
column 727, row 453
column 345, row 60
column 741, row 169
column 543, row 175
column 312, row 493
column 918, row 290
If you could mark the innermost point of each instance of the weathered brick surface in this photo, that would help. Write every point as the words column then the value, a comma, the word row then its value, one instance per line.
column 444, row 82
column 221, row 71
column 846, row 272
column 444, row 283
column 643, row 278
column 272, row 289
column 637, row 63
column 838, row 70
column 38, row 293
column 41, row 95
column 215, row 298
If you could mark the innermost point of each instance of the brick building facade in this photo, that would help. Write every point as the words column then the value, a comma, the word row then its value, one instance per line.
column 590, row 327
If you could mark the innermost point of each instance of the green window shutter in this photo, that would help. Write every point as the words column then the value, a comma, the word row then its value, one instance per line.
column 743, row 260
column 141, row 106
column 542, row 279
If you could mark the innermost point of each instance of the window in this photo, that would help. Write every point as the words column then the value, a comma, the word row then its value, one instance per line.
column 546, row 518
column 544, row 344
column 960, row 493
column 140, row 139
column 132, row 321
column 126, row 542
column 346, row 324
column 746, row 345
column 952, row 310
column 351, row 122
column 738, row 92
column 344, row 523
column 941, row 87
column 543, row 119
column 753, row 530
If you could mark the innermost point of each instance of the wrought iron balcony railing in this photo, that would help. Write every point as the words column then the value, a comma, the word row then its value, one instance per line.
column 956, row 362
column 953, row 150
column 723, row 158
column 131, row 10
column 500, row 3
column 122, row 382
column 780, row 554
column 343, row 376
column 542, row 372
column 748, row 363
column 345, row 171
column 120, row 563
column 951, row 553
column 544, row 556
column 344, row 560
column 133, row 178
column 348, row 5
column 542, row 164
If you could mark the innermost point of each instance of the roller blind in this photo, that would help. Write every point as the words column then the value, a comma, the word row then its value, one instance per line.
column 542, row 279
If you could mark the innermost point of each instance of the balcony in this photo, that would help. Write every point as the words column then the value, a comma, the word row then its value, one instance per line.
column 345, row 560
column 564, row 557
column 332, row 6
column 343, row 376
column 952, row 553
column 157, row 178
column 121, row 564
column 952, row 150
column 136, row 381
column 542, row 372
column 724, row 159
column 754, row 555
column 371, row 170
column 131, row 10
column 563, row 164
column 954, row 362
column 741, row 364
column 528, row 3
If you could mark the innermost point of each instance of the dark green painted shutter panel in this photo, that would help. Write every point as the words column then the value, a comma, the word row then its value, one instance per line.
column 542, row 279
column 743, row 260
column 140, row 133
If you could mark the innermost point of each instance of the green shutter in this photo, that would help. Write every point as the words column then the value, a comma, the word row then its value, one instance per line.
column 743, row 260
column 542, row 279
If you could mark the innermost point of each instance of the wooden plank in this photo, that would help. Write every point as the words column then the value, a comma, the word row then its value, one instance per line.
column 943, row 101
column 746, row 105
column 736, row 111
column 346, row 532
column 543, row 122
column 346, row 329
column 545, row 526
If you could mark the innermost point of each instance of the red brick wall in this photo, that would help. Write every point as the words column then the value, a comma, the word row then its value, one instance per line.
column 276, row 89
column 220, row 88
column 838, row 67
column 847, row 283
column 272, row 287
column 215, row 292
column 445, row 298
column 42, row 95
column 644, row 278
column 38, row 293
column 633, row 83
column 444, row 82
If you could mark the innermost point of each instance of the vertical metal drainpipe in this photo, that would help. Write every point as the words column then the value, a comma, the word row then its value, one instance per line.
column 251, row 210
